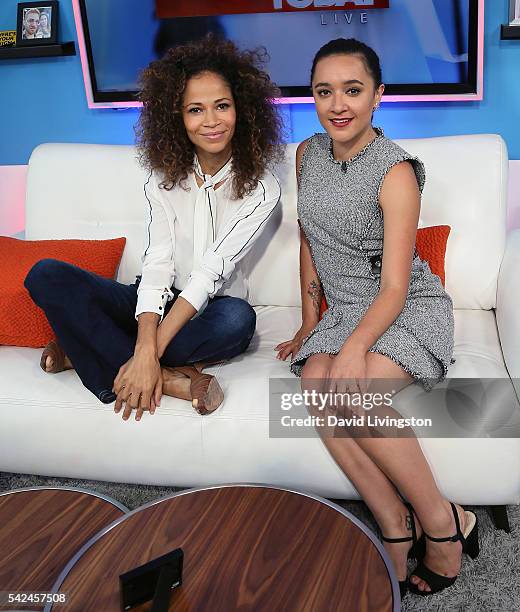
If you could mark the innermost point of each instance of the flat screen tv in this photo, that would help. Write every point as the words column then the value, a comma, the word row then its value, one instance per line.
column 430, row 50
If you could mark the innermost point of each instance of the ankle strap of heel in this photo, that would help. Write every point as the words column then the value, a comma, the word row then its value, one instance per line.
column 412, row 538
column 396, row 540
column 458, row 537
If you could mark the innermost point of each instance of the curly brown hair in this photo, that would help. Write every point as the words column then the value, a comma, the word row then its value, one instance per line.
column 162, row 140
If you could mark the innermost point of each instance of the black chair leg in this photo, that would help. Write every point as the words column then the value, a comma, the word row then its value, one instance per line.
column 500, row 518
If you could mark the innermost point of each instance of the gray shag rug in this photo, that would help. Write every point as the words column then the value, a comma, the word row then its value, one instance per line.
column 491, row 583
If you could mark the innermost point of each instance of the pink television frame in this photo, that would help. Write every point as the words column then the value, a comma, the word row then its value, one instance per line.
column 478, row 96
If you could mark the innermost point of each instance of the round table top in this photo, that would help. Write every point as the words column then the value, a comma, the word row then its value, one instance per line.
column 246, row 547
column 41, row 528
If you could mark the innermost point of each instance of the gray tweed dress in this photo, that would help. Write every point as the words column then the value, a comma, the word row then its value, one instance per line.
column 338, row 208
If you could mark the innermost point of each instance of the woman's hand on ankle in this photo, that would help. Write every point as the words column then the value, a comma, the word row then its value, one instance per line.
column 138, row 384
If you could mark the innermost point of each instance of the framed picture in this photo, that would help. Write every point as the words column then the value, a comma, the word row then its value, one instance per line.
column 37, row 23
column 514, row 12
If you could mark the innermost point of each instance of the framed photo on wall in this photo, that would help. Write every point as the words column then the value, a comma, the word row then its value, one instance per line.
column 514, row 12
column 37, row 23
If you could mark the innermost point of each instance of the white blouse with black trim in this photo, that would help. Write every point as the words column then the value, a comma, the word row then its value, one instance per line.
column 168, row 256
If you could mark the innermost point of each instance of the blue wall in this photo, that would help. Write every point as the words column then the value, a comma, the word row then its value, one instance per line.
column 43, row 100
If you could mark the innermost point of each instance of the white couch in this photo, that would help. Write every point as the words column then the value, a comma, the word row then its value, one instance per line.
column 51, row 425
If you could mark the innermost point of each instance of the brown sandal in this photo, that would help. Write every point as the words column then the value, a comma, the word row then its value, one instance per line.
column 54, row 350
column 206, row 394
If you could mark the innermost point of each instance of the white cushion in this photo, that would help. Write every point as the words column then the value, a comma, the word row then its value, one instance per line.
column 466, row 188
column 96, row 191
column 56, row 427
column 91, row 192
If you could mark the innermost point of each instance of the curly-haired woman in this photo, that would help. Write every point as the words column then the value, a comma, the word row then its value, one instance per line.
column 207, row 133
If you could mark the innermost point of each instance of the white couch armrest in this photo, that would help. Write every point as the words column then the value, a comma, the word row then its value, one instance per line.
column 508, row 302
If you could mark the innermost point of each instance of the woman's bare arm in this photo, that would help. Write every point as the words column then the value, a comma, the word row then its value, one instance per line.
column 181, row 312
column 310, row 286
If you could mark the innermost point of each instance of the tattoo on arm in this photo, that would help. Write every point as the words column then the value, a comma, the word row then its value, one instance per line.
column 315, row 292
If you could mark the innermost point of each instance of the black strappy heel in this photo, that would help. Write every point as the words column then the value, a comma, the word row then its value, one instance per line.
column 470, row 546
column 417, row 550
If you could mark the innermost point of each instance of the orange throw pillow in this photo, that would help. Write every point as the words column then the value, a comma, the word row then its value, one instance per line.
column 431, row 247
column 22, row 323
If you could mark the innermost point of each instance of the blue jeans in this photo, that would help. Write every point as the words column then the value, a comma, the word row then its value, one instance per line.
column 94, row 321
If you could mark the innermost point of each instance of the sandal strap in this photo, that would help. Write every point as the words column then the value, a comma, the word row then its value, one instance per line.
column 396, row 540
column 455, row 538
column 435, row 581
column 413, row 537
column 458, row 537
column 457, row 522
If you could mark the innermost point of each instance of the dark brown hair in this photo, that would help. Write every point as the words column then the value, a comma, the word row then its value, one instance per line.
column 161, row 136
column 351, row 46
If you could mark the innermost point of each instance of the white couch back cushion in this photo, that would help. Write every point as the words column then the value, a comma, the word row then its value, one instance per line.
column 96, row 192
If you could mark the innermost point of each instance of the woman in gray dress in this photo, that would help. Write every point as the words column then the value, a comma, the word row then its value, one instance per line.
column 388, row 318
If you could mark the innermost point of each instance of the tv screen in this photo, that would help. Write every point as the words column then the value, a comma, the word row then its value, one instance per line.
column 427, row 47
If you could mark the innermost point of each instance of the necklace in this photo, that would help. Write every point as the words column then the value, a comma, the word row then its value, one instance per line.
column 345, row 162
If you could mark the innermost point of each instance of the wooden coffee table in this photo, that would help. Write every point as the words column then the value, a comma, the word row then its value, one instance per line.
column 246, row 547
column 40, row 530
